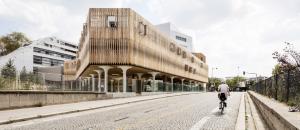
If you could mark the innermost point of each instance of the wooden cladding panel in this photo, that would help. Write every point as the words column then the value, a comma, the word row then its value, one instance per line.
column 109, row 45
column 125, row 45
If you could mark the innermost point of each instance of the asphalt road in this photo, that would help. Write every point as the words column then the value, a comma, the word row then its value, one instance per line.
column 195, row 111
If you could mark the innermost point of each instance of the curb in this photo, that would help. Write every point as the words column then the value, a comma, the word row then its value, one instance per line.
column 73, row 111
column 241, row 120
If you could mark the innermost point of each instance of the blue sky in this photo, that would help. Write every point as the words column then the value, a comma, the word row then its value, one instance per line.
column 232, row 33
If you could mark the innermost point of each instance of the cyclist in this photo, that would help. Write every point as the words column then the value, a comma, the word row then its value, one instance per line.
column 224, row 92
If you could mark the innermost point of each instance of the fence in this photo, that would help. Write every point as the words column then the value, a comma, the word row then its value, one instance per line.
column 284, row 87
column 55, row 82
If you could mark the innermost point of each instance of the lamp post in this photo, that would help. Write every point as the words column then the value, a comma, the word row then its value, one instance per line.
column 212, row 75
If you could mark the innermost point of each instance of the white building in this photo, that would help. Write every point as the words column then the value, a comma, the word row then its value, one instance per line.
column 45, row 52
column 171, row 31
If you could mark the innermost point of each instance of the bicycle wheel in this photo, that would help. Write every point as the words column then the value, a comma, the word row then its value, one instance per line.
column 222, row 107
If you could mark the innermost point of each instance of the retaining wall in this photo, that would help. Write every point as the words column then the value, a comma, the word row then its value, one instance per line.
column 274, row 120
column 19, row 99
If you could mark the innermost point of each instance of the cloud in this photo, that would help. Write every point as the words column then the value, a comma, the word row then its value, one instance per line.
column 47, row 18
column 232, row 33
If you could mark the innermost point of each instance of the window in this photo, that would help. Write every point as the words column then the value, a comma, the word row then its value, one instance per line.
column 142, row 28
column 112, row 21
column 192, row 59
column 172, row 47
column 37, row 59
column 186, row 67
column 145, row 29
column 194, row 71
column 190, row 69
column 183, row 54
column 181, row 38
column 178, row 51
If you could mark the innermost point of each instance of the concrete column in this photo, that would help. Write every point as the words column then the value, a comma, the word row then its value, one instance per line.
column 118, row 88
column 89, row 83
column 93, row 82
column 190, row 85
column 81, row 82
column 139, row 76
column 105, row 69
column 99, row 79
column 111, row 85
column 140, row 81
column 172, row 83
column 86, row 83
column 182, row 84
column 79, row 79
column 153, row 78
column 124, row 69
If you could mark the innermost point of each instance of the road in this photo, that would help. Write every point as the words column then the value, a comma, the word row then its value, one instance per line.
column 195, row 111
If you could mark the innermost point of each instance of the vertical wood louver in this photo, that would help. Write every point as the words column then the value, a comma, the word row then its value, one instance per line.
column 134, row 41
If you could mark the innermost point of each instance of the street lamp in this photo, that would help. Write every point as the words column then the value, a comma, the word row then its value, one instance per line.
column 212, row 74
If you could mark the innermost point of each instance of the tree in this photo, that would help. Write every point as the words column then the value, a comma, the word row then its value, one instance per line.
column 214, row 82
column 234, row 82
column 277, row 69
column 11, row 42
column 23, row 74
column 289, row 59
column 9, row 70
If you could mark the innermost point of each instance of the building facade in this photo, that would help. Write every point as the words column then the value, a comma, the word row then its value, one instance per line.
column 45, row 52
column 120, row 51
column 180, row 38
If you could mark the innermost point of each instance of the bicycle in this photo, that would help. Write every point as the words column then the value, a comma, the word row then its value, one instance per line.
column 222, row 105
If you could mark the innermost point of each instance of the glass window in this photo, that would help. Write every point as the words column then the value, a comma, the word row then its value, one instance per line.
column 181, row 38
column 112, row 21
column 142, row 28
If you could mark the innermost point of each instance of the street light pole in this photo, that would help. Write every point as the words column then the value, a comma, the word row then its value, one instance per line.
column 212, row 73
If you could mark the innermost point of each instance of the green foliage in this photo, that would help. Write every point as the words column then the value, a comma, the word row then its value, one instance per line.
column 214, row 82
column 2, row 82
column 276, row 70
column 234, row 82
column 23, row 74
column 9, row 70
column 11, row 42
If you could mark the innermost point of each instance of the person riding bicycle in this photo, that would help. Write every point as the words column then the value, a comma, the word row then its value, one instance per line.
column 224, row 92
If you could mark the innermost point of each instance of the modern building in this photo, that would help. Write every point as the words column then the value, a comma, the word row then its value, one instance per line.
column 180, row 38
column 120, row 51
column 45, row 52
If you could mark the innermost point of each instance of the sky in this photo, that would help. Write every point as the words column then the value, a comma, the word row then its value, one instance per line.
column 235, row 35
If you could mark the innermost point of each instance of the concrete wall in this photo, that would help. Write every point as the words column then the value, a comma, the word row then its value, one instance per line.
column 19, row 99
column 272, row 118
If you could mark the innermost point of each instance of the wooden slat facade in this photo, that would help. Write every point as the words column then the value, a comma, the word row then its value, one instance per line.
column 135, row 42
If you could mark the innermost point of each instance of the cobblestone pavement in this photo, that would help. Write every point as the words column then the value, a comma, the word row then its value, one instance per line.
column 173, row 113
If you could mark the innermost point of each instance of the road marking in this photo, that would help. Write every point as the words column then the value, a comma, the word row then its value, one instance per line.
column 122, row 119
column 203, row 120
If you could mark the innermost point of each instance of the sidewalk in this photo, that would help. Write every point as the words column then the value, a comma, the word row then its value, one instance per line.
column 278, row 115
column 17, row 115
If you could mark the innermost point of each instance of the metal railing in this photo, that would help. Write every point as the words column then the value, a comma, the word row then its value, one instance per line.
column 284, row 87
column 40, row 81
